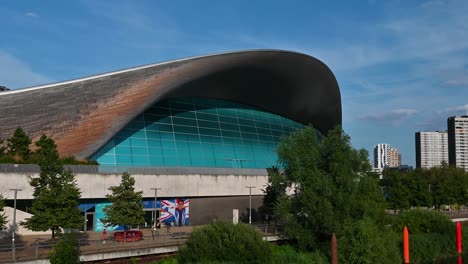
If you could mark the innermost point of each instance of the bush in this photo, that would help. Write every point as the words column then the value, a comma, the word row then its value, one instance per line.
column 66, row 251
column 363, row 242
column 424, row 221
column 430, row 247
column 167, row 261
column 225, row 242
column 287, row 254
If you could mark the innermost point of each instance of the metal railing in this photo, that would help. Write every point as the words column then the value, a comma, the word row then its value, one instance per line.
column 41, row 249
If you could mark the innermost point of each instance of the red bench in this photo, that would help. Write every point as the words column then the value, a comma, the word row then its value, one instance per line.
column 128, row 236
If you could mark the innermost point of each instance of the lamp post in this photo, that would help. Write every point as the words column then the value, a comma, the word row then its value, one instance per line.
column 155, row 205
column 13, row 249
column 250, row 203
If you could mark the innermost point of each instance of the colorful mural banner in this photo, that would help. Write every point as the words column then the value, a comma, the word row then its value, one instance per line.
column 99, row 214
column 175, row 212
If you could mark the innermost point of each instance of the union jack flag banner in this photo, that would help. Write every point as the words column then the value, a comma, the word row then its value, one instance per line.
column 175, row 212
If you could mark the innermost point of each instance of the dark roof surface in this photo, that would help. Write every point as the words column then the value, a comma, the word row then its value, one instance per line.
column 82, row 115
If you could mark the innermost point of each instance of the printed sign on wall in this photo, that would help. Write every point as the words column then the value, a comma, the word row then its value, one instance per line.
column 175, row 212
column 99, row 214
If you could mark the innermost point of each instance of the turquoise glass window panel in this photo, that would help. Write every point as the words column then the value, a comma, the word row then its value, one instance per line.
column 107, row 159
column 156, row 161
column 123, row 159
column 168, row 144
column 170, row 161
column 168, row 152
column 140, row 160
column 184, row 162
column 138, row 142
column 184, row 121
column 209, row 132
column 198, row 132
column 155, row 152
column 139, row 151
column 107, row 149
column 123, row 150
column 208, row 117
column 166, row 136
column 153, row 143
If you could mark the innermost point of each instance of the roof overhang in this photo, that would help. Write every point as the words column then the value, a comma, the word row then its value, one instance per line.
column 82, row 115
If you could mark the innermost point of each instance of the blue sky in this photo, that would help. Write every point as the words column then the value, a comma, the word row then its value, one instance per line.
column 402, row 66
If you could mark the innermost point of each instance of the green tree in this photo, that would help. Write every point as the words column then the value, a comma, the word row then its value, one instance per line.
column 332, row 183
column 18, row 144
column 56, row 195
column 396, row 189
column 126, row 208
column 224, row 242
column 3, row 147
column 370, row 244
column 275, row 188
column 66, row 250
column 3, row 220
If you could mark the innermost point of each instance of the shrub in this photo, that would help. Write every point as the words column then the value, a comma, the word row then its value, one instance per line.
column 225, row 242
column 287, row 254
column 363, row 242
column 424, row 221
column 171, row 260
column 66, row 251
column 430, row 247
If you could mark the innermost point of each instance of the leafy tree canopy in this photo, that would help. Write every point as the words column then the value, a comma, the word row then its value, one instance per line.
column 332, row 183
column 3, row 220
column 18, row 144
column 425, row 187
column 56, row 195
column 66, row 250
column 223, row 242
column 126, row 208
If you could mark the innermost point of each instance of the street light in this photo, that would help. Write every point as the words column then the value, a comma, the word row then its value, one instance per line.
column 155, row 205
column 13, row 249
column 250, row 203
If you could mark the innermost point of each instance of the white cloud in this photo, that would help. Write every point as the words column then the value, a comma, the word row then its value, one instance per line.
column 15, row 73
column 392, row 117
column 438, row 120
column 456, row 110
column 457, row 82
column 31, row 14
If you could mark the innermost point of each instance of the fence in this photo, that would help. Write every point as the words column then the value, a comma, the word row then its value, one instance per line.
column 41, row 249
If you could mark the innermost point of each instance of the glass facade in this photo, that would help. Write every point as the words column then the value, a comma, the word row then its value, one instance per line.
column 198, row 132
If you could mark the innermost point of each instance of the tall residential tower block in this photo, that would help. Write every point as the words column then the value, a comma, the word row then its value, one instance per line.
column 458, row 141
column 431, row 149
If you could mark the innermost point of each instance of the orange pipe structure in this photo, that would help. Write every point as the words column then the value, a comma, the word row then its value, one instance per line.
column 334, row 250
column 406, row 252
column 459, row 238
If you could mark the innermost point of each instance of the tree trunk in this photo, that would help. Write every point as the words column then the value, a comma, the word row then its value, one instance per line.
column 53, row 233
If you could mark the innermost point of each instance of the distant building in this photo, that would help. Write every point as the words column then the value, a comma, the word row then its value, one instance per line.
column 395, row 158
column 381, row 156
column 458, row 141
column 431, row 149
column 400, row 169
column 3, row 89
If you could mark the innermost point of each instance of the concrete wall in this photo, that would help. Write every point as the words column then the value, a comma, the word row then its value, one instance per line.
column 190, row 185
column 20, row 217
column 204, row 210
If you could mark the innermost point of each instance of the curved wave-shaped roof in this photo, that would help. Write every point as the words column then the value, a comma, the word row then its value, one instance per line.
column 82, row 115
